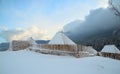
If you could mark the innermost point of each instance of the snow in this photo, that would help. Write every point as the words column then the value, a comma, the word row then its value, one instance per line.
column 61, row 38
column 32, row 41
column 89, row 49
column 10, row 46
column 29, row 62
column 110, row 49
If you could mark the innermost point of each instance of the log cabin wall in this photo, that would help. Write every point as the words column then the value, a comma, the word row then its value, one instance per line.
column 109, row 55
column 19, row 45
column 59, row 47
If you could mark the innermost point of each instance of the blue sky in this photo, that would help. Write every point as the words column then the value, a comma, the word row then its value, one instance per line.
column 47, row 15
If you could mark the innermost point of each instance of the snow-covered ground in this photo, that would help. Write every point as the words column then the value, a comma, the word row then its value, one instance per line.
column 29, row 62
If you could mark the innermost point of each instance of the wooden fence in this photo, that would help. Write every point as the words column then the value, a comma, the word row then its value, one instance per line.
column 74, row 50
column 109, row 55
column 71, row 48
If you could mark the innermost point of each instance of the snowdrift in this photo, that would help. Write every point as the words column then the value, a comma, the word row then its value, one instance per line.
column 28, row 62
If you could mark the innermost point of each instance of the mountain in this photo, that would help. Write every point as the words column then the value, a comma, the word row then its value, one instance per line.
column 5, row 46
column 42, row 41
column 105, row 38
column 97, row 39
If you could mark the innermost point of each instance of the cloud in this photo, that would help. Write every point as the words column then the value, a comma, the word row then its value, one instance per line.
column 46, row 13
column 97, row 22
column 3, row 27
column 20, row 34
column 103, row 4
column 51, row 15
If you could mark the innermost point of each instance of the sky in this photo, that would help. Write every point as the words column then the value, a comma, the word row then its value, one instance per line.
column 41, row 19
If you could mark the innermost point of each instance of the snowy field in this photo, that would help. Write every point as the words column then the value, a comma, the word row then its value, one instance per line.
column 28, row 62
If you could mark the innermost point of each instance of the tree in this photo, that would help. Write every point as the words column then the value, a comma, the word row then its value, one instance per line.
column 115, row 6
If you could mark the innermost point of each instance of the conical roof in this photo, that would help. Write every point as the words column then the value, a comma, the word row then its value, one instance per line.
column 31, row 41
column 90, row 49
column 110, row 49
column 61, row 38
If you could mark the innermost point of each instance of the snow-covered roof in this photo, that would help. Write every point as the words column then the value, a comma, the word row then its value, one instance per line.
column 31, row 41
column 110, row 49
column 61, row 38
column 90, row 49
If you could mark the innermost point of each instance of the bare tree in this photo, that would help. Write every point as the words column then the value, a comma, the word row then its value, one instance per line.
column 115, row 6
